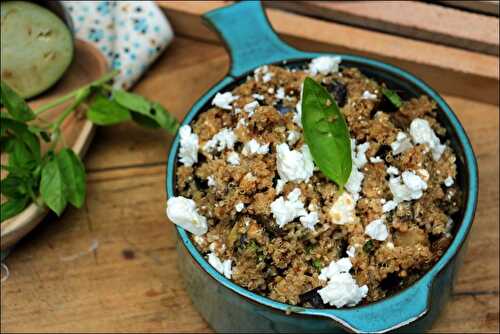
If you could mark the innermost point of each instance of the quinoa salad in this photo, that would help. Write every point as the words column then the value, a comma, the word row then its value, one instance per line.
column 263, row 215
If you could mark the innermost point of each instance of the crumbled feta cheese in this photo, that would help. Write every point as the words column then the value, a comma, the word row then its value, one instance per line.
column 242, row 122
column 309, row 220
column 293, row 137
column 389, row 245
column 182, row 211
column 358, row 153
column 341, row 288
column 224, row 100
column 376, row 160
column 258, row 96
column 448, row 181
column 267, row 77
column 239, row 207
column 279, row 186
column 294, row 165
column 406, row 187
column 225, row 138
column 368, row 96
column 389, row 206
column 297, row 117
column 354, row 182
column 402, row 143
column 253, row 147
column 284, row 211
column 233, row 158
column 280, row 93
column 188, row 152
column 342, row 211
column 351, row 251
column 324, row 65
column 377, row 230
column 391, row 170
column 422, row 133
column 211, row 181
column 270, row 90
column 250, row 107
column 200, row 240
column 424, row 174
column 222, row 267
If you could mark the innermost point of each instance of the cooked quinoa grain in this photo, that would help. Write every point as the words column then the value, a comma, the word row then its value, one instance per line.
column 278, row 227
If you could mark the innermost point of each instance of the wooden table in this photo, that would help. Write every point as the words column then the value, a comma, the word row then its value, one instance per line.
column 130, row 282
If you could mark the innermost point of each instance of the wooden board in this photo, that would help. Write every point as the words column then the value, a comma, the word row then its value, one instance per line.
column 417, row 20
column 130, row 282
column 450, row 70
column 491, row 7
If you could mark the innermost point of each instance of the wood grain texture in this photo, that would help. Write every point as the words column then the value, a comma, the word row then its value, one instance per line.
column 130, row 283
column 417, row 20
column 450, row 70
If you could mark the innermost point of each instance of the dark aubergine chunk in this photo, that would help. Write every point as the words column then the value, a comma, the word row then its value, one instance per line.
column 339, row 92
column 391, row 282
column 200, row 183
column 313, row 298
column 281, row 108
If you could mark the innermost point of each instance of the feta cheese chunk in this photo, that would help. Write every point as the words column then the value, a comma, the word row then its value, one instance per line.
column 376, row 160
column 391, row 170
column 294, row 165
column 239, row 207
column 222, row 267
column 389, row 206
column 280, row 93
column 422, row 133
column 407, row 187
column 224, row 100
column 225, row 138
column 233, row 158
column 341, row 289
column 188, row 152
column 402, row 143
column 309, row 220
column 343, row 210
column 358, row 153
column 250, row 107
column 351, row 251
column 267, row 77
column 284, row 211
column 279, row 186
column 211, row 181
column 377, row 230
column 293, row 137
column 182, row 211
column 354, row 182
column 297, row 117
column 448, row 181
column 258, row 97
column 324, row 65
column 368, row 96
column 253, row 147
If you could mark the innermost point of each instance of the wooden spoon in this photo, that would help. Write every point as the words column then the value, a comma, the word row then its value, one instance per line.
column 88, row 65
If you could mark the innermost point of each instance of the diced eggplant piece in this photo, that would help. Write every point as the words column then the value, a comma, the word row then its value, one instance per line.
column 339, row 92
column 313, row 298
column 36, row 47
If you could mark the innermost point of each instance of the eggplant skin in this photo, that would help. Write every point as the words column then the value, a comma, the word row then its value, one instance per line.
column 36, row 47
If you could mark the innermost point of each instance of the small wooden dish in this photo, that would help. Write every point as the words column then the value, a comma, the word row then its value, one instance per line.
column 88, row 65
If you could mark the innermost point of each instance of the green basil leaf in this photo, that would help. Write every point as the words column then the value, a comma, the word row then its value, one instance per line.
column 146, row 113
column 21, row 131
column 326, row 132
column 107, row 112
column 16, row 106
column 40, row 132
column 52, row 187
column 12, row 207
column 392, row 96
column 12, row 186
column 21, row 157
column 132, row 101
column 73, row 174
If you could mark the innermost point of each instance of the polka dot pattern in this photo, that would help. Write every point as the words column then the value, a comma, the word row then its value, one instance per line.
column 131, row 34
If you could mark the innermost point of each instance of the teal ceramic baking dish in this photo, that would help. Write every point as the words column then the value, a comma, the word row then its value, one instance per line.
column 228, row 307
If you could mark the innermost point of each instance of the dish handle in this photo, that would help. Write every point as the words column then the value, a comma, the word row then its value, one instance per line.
column 249, row 37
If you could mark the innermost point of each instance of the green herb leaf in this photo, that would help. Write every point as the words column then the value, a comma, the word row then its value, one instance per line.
column 12, row 207
column 326, row 132
column 73, row 174
column 368, row 247
column 16, row 106
column 20, row 157
column 104, row 111
column 52, row 187
column 39, row 132
column 146, row 113
column 12, row 186
column 392, row 96
column 317, row 264
column 20, row 130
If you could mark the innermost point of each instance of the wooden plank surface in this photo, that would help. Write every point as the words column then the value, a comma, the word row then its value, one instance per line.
column 491, row 7
column 418, row 20
column 130, row 282
column 450, row 70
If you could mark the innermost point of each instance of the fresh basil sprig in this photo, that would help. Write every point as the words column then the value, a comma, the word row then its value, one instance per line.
column 57, row 177
column 392, row 96
column 326, row 132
